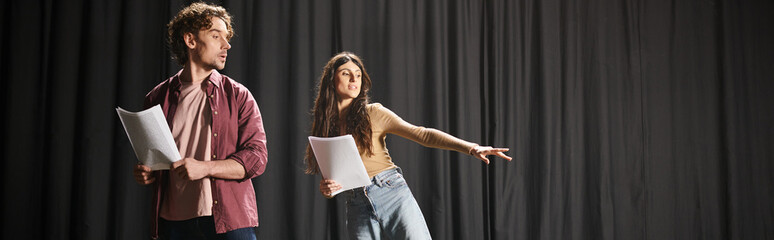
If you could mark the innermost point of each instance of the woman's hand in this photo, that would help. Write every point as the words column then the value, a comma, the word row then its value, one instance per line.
column 482, row 151
column 328, row 186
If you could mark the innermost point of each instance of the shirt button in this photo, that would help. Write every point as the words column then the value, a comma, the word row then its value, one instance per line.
column 213, row 156
column 216, row 112
column 212, row 96
column 215, row 202
column 215, row 134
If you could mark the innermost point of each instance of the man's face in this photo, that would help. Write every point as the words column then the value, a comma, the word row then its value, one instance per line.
column 211, row 46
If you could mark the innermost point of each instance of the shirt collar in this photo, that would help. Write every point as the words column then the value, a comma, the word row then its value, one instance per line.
column 215, row 78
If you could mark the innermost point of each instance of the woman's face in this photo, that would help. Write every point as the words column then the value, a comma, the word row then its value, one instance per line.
column 348, row 81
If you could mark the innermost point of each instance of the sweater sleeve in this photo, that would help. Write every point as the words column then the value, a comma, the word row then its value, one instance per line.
column 427, row 137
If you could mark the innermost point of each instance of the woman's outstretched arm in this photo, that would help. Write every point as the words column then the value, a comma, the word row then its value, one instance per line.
column 434, row 138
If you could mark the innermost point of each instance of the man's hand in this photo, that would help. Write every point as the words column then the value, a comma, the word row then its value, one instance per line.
column 191, row 169
column 328, row 186
column 143, row 174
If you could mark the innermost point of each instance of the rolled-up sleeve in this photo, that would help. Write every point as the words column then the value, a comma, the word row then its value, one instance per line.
column 251, row 141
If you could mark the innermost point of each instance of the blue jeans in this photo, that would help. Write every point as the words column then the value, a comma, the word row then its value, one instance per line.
column 201, row 228
column 386, row 209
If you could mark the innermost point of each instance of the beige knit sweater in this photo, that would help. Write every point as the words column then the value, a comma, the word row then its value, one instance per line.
column 384, row 121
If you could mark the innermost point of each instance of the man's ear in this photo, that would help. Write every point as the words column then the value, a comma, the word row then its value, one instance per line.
column 190, row 40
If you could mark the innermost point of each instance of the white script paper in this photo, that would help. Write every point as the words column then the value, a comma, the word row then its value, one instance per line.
column 339, row 160
column 150, row 137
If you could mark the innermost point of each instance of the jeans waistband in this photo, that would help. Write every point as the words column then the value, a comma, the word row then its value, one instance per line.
column 376, row 178
column 386, row 173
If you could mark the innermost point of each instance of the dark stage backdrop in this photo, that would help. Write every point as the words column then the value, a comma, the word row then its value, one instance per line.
column 627, row 119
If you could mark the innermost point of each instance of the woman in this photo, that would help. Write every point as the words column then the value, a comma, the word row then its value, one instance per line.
column 386, row 207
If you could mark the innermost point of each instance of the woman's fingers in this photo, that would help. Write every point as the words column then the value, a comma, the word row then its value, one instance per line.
column 328, row 186
column 502, row 155
column 332, row 187
column 491, row 151
column 332, row 183
column 482, row 157
column 482, row 151
column 486, row 160
column 499, row 153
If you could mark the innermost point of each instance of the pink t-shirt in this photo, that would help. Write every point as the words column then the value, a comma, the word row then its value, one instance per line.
column 192, row 130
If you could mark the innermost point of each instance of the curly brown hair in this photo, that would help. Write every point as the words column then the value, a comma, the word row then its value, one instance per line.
column 326, row 113
column 192, row 19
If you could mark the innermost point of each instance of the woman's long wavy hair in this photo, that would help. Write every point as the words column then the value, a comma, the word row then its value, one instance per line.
column 325, row 113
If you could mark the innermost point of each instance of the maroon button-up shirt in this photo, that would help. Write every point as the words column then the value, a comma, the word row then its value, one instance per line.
column 237, row 134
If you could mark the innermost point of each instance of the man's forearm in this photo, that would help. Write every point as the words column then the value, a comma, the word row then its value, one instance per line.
column 226, row 169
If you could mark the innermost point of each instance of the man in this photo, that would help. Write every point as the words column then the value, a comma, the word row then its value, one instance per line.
column 218, row 129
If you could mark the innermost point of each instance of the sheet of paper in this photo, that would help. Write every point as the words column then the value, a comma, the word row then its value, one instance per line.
column 150, row 137
column 339, row 160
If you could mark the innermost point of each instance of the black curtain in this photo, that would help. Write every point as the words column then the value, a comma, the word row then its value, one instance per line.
column 626, row 119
